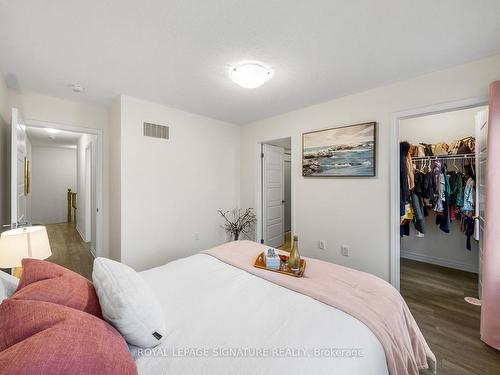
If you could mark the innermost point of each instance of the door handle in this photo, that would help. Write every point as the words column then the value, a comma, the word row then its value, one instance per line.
column 283, row 201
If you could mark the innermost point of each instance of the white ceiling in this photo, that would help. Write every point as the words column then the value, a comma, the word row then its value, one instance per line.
column 40, row 137
column 178, row 52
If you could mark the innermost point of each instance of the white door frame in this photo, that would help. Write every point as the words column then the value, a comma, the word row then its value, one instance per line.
column 271, row 149
column 88, row 192
column 258, row 186
column 99, row 174
column 15, row 177
column 16, row 117
column 395, row 238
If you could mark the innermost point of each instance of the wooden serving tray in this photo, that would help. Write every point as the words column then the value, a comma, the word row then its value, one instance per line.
column 260, row 262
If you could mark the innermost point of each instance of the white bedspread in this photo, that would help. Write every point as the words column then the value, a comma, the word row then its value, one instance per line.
column 222, row 320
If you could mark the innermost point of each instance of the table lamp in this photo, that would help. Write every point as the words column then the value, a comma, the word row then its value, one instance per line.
column 27, row 242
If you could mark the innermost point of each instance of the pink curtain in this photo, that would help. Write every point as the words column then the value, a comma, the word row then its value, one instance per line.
column 490, row 310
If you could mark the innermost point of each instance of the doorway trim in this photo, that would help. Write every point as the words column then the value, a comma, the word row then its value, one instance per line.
column 88, row 193
column 259, row 185
column 395, row 244
column 99, row 170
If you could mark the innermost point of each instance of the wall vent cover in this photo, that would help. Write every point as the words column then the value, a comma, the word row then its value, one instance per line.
column 156, row 131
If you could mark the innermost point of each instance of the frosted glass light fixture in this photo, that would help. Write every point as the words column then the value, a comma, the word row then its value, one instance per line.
column 250, row 75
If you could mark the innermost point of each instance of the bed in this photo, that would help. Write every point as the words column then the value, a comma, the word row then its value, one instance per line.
column 222, row 319
column 223, row 316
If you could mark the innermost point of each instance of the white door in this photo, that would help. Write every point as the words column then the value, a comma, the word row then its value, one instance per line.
column 19, row 156
column 481, row 162
column 273, row 195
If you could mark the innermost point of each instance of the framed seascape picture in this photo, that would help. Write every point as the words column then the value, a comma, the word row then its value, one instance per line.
column 348, row 151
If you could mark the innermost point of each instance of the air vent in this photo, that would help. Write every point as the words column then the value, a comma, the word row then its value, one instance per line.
column 155, row 131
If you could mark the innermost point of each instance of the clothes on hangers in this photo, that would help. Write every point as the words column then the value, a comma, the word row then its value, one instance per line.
column 450, row 194
column 418, row 217
column 404, row 190
column 412, row 185
column 410, row 170
column 469, row 195
column 419, row 179
column 469, row 229
column 404, row 187
column 443, row 216
column 440, row 183
column 457, row 189
column 430, row 189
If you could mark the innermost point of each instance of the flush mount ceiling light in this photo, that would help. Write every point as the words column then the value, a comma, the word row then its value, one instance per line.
column 250, row 75
column 51, row 131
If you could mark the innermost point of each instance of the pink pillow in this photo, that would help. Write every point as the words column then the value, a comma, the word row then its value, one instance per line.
column 48, row 282
column 47, row 339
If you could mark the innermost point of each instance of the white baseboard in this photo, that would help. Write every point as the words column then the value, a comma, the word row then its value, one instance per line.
column 80, row 233
column 440, row 261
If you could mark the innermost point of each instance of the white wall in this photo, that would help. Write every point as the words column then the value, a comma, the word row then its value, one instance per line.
column 115, row 180
column 4, row 106
column 442, row 127
column 352, row 211
column 53, row 172
column 67, row 112
column 84, row 141
column 438, row 247
column 172, row 189
column 4, row 155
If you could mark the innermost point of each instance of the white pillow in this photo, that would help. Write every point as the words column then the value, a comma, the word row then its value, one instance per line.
column 128, row 303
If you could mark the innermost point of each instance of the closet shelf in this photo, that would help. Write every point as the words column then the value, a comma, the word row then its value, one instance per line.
column 446, row 157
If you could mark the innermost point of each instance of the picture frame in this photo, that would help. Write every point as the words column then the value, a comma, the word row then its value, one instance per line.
column 27, row 179
column 345, row 151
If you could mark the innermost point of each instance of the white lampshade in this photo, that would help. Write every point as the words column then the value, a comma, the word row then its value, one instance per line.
column 28, row 242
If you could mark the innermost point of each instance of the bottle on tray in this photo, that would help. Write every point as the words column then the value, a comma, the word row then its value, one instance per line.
column 294, row 257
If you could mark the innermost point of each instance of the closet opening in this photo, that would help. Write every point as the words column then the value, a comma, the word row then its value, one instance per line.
column 441, row 195
column 438, row 170
column 274, row 203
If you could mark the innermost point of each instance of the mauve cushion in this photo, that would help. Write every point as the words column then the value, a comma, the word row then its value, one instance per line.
column 49, row 282
column 47, row 339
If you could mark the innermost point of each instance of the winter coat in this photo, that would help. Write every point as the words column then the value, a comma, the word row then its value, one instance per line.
column 404, row 194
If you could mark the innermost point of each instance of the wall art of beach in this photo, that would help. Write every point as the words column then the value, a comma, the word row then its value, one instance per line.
column 346, row 151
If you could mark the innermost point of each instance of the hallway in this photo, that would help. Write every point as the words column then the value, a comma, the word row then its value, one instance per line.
column 69, row 250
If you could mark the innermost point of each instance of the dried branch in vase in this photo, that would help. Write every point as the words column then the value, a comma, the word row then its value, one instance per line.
column 238, row 221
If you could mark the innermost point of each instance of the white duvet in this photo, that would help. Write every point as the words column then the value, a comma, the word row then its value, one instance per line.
column 222, row 320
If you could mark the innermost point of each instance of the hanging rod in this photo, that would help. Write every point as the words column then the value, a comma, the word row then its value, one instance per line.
column 446, row 157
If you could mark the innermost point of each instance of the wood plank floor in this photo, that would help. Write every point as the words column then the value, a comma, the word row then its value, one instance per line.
column 287, row 246
column 435, row 296
column 69, row 250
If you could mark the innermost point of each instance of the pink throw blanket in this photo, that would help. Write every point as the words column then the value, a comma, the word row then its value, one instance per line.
column 367, row 298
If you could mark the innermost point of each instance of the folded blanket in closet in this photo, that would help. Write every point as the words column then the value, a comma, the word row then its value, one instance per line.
column 365, row 297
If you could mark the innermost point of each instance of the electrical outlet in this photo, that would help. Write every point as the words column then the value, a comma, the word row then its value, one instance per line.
column 344, row 250
column 322, row 244
column 196, row 236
